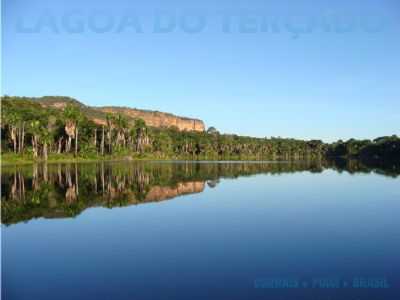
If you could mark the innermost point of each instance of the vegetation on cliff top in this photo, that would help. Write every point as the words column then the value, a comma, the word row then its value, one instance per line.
column 33, row 132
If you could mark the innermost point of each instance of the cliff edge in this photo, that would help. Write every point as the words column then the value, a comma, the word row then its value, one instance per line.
column 152, row 118
column 157, row 119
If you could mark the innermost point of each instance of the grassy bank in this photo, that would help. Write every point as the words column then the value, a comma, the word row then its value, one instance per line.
column 12, row 158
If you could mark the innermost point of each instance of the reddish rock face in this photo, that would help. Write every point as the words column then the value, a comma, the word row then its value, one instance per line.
column 152, row 118
column 158, row 119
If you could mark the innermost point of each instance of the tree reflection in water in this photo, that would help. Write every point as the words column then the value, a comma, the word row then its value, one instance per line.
column 65, row 190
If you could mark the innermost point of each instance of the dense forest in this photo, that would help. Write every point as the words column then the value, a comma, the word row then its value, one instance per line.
column 34, row 132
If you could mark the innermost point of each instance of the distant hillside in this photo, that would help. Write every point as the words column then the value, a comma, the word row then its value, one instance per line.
column 152, row 118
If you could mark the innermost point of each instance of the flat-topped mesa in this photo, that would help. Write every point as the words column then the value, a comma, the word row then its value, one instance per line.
column 157, row 119
column 152, row 118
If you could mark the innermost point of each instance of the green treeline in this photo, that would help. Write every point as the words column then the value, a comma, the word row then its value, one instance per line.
column 33, row 132
column 379, row 149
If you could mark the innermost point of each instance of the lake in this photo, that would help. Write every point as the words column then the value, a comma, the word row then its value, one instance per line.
column 200, row 230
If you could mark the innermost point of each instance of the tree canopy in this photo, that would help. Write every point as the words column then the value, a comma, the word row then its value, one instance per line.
column 29, row 128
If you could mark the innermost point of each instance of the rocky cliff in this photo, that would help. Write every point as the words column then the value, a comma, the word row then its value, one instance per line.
column 152, row 118
column 157, row 119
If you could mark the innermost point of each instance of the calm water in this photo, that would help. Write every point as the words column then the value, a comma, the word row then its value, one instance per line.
column 200, row 231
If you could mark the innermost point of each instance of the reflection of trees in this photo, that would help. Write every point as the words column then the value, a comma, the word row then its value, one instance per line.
column 354, row 166
column 55, row 190
column 212, row 183
column 17, row 190
column 71, row 193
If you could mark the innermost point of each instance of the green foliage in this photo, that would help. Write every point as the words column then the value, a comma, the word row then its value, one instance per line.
column 383, row 148
column 25, row 118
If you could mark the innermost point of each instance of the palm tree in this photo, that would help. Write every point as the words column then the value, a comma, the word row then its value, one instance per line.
column 73, row 118
column 42, row 135
column 121, row 125
column 46, row 140
column 109, row 120
column 102, row 140
column 12, row 118
column 35, row 130
column 141, row 138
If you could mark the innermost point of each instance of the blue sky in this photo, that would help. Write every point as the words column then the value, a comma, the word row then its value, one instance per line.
column 302, row 69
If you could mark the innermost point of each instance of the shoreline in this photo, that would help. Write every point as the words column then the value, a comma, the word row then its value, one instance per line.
column 52, row 160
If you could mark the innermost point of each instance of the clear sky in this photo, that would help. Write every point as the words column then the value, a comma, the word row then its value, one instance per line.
column 301, row 68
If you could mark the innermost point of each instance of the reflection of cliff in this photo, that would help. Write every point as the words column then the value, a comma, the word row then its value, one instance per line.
column 65, row 190
column 117, row 197
column 158, row 193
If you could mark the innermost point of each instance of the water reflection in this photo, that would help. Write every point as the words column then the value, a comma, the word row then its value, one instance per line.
column 65, row 190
